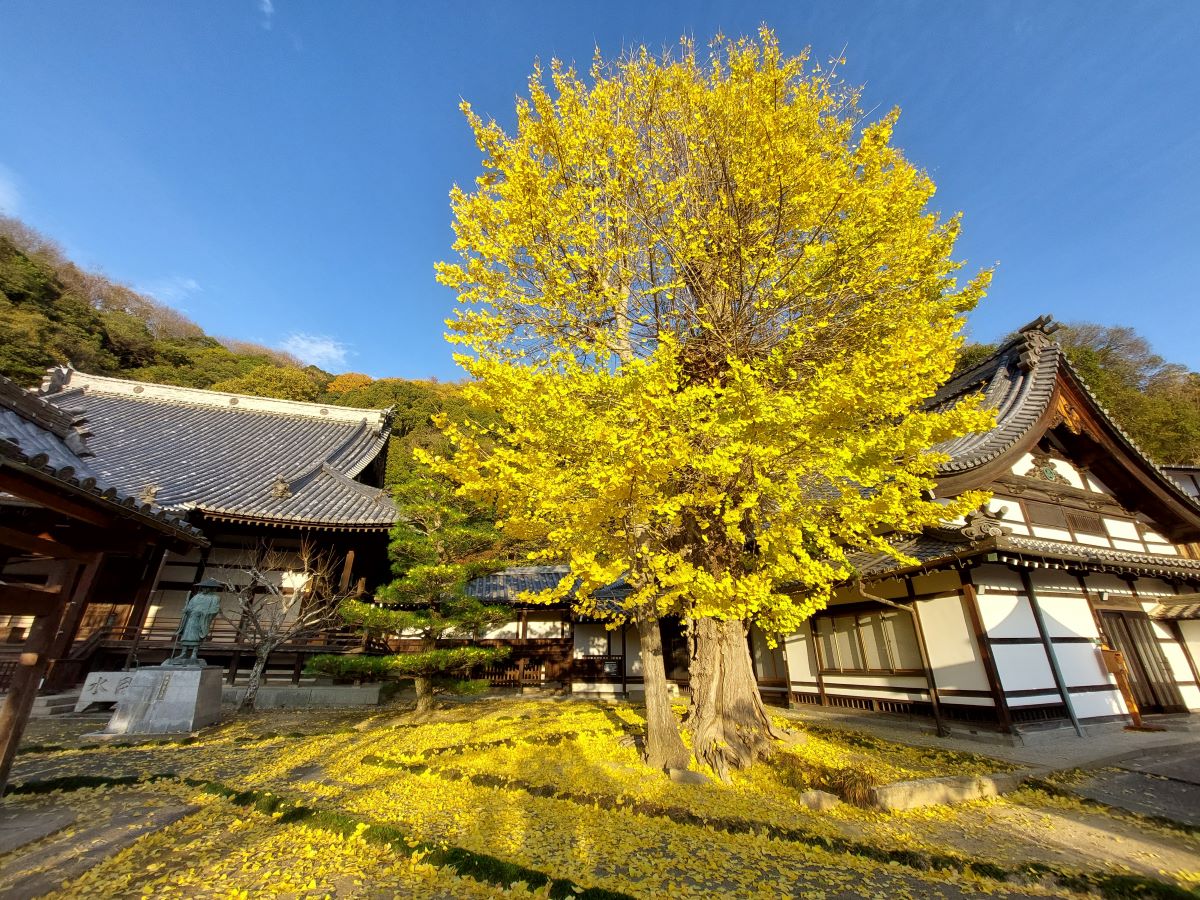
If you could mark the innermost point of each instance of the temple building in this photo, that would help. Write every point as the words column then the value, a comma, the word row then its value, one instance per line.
column 249, row 474
column 1086, row 544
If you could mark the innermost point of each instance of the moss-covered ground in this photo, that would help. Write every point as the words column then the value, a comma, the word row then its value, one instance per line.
column 548, row 797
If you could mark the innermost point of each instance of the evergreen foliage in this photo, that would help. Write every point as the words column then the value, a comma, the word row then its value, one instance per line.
column 440, row 542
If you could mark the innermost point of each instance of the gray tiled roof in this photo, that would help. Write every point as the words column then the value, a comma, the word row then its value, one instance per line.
column 231, row 456
column 506, row 585
column 924, row 548
column 1018, row 381
column 49, row 443
column 1185, row 606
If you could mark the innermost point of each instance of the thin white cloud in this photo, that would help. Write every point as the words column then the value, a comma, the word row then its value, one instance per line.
column 10, row 196
column 173, row 290
column 267, row 8
column 316, row 349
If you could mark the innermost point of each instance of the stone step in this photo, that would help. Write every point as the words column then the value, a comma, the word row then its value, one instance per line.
column 54, row 705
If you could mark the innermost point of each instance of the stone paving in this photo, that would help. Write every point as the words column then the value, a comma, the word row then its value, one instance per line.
column 1163, row 782
column 1152, row 773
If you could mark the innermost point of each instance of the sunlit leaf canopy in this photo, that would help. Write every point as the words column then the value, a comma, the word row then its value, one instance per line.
column 708, row 300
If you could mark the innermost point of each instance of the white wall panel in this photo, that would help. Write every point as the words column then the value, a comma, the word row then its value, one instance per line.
column 1067, row 616
column 1093, row 704
column 1022, row 667
column 1081, row 665
column 1045, row 699
column 1191, row 696
column 1122, row 528
column 950, row 640
column 801, row 657
column 1054, row 580
column 590, row 640
column 1052, row 534
column 995, row 576
column 1007, row 616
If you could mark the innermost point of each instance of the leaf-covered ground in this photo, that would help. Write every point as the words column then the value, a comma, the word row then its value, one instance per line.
column 549, row 798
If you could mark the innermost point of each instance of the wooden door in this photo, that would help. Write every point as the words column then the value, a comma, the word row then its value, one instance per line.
column 1150, row 675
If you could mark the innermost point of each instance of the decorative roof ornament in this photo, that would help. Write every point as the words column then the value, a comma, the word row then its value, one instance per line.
column 281, row 489
column 1037, row 338
column 1045, row 470
column 985, row 523
column 149, row 494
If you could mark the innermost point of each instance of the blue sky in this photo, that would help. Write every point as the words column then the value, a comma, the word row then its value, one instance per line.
column 279, row 169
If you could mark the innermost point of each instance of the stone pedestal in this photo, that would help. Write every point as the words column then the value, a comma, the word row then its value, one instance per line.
column 167, row 700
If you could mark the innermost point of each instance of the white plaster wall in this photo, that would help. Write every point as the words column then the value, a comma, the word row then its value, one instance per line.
column 1093, row 704
column 768, row 661
column 801, row 655
column 507, row 631
column 953, row 652
column 633, row 651
column 1054, row 580
column 1051, row 696
column 549, row 624
column 590, row 640
column 1082, row 665
column 936, row 583
column 1067, row 616
column 1122, row 528
column 1154, row 587
column 1191, row 696
column 1023, row 667
column 1190, row 629
column 1006, row 615
column 991, row 575
column 1052, row 534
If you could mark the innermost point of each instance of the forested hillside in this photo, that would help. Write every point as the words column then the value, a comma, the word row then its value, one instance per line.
column 53, row 312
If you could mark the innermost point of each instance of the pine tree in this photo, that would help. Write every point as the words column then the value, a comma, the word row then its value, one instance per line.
column 440, row 543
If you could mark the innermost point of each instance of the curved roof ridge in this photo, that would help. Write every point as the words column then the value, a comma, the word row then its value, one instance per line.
column 61, row 379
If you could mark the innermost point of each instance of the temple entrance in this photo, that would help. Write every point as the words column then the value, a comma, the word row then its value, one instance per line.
column 1150, row 675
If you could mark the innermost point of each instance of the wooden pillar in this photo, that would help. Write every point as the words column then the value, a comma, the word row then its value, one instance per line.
column 18, row 702
column 939, row 724
column 971, row 605
column 141, row 600
column 59, row 676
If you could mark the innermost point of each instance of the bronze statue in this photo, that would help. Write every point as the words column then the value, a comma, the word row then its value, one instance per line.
column 198, row 614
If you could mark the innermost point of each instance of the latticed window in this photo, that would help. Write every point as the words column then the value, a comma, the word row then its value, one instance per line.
column 876, row 641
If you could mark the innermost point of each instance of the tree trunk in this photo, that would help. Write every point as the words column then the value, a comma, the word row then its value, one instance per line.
column 424, row 688
column 254, row 680
column 729, row 724
column 664, row 744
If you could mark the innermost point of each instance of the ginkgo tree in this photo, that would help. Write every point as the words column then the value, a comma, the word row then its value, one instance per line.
column 708, row 302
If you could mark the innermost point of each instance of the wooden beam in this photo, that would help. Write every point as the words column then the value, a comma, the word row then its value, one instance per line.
column 930, row 681
column 970, row 602
column 14, row 714
column 27, row 599
column 41, row 546
column 30, row 489
column 60, row 648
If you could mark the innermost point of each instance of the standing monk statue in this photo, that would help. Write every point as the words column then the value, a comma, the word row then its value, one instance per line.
column 198, row 614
